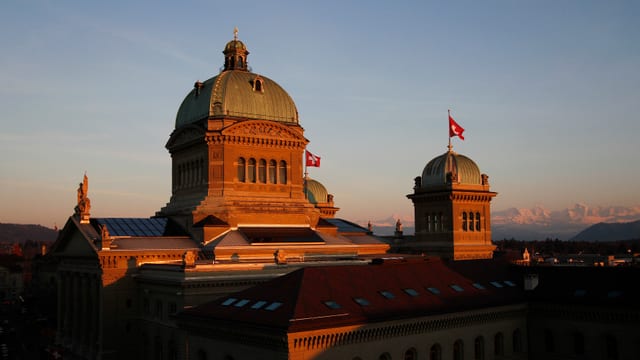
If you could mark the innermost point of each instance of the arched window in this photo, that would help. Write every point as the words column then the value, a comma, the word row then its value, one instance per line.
column 411, row 354
column 262, row 171
column 611, row 347
column 464, row 221
column 458, row 350
column 282, row 172
column 498, row 344
column 251, row 169
column 242, row 170
column 173, row 351
column 441, row 221
column 428, row 222
column 272, row 171
column 478, row 348
column 436, row 226
column 385, row 356
column 470, row 221
column 477, row 221
column 435, row 353
column 578, row 343
column 517, row 341
column 202, row 355
column 549, row 343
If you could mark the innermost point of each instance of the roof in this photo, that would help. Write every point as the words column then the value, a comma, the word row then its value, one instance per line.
column 437, row 170
column 316, row 192
column 317, row 297
column 232, row 94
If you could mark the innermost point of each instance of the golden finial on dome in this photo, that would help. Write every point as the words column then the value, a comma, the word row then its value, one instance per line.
column 235, row 34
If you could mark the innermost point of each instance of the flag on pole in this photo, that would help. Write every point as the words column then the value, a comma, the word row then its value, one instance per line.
column 312, row 160
column 455, row 129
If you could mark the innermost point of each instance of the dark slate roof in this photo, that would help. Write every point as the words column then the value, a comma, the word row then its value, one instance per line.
column 345, row 226
column 139, row 227
column 316, row 297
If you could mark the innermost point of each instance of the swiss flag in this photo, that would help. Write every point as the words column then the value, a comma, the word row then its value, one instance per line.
column 455, row 129
column 312, row 160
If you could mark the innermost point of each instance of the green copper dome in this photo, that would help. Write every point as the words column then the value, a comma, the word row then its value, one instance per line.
column 451, row 167
column 237, row 93
column 316, row 192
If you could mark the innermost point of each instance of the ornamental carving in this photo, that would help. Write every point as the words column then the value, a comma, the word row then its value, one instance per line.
column 262, row 129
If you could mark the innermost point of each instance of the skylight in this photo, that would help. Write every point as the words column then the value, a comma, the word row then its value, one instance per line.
column 361, row 301
column 479, row 286
column 496, row 284
column 434, row 290
column 274, row 305
column 510, row 283
column 580, row 293
column 241, row 303
column 411, row 292
column 387, row 294
column 614, row 294
column 229, row 301
column 258, row 304
column 332, row 304
column 457, row 288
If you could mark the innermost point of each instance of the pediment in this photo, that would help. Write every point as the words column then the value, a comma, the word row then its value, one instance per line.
column 72, row 241
column 263, row 129
column 185, row 135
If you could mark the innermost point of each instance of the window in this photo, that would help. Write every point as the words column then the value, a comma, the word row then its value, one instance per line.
column 387, row 294
column 496, row 284
column 411, row 354
column 173, row 308
column 464, row 221
column 229, row 301
column 578, row 343
column 411, row 292
column 158, row 312
column 611, row 347
column 457, row 288
column 272, row 171
column 478, row 348
column 471, row 221
column 477, row 221
column 498, row 344
column 282, row 172
column 332, row 304
column 510, row 283
column 458, row 350
column 435, row 353
column 251, row 169
column 361, row 301
column 258, row 304
column 241, row 170
column 241, row 303
column 436, row 226
column 262, row 171
column 385, row 356
column 202, row 355
column 479, row 286
column 274, row 305
column 434, row 291
column 549, row 343
column 517, row 341
column 428, row 222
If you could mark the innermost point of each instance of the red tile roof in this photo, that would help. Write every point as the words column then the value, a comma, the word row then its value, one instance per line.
column 317, row 297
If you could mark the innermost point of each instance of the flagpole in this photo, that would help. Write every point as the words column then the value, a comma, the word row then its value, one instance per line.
column 306, row 174
column 449, row 129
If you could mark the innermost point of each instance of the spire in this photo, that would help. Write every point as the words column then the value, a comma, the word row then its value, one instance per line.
column 235, row 54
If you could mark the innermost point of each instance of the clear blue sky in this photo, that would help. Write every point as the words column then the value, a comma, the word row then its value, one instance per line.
column 548, row 91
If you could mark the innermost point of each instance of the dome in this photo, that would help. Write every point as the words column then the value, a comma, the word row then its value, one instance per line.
column 232, row 94
column 237, row 93
column 461, row 167
column 316, row 192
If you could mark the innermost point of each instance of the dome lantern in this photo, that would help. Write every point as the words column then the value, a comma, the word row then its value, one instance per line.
column 235, row 54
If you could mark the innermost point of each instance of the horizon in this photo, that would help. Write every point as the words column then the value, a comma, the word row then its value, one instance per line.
column 547, row 93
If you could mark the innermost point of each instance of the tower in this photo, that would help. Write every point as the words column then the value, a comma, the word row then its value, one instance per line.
column 452, row 209
column 237, row 153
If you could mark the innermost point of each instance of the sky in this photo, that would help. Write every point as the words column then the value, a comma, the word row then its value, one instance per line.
column 548, row 92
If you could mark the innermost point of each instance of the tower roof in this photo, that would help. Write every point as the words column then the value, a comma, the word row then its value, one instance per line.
column 451, row 167
column 237, row 93
column 316, row 192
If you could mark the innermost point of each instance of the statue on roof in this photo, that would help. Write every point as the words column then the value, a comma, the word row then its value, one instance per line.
column 84, row 204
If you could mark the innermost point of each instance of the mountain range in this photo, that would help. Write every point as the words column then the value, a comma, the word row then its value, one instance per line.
column 539, row 223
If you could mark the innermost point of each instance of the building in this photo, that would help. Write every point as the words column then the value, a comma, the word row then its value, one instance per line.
column 248, row 260
column 240, row 213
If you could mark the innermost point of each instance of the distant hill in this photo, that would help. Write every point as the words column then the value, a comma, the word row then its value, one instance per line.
column 610, row 232
column 19, row 233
